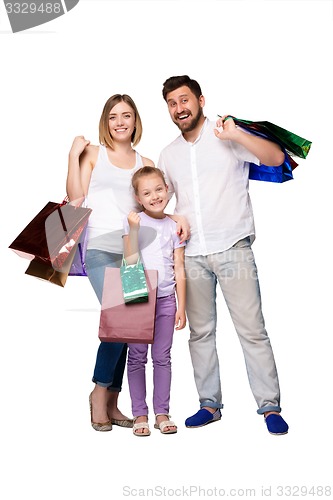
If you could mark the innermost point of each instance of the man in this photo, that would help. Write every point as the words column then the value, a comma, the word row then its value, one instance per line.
column 207, row 168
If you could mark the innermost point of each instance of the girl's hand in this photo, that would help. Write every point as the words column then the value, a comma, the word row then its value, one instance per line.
column 226, row 128
column 78, row 146
column 133, row 220
column 180, row 320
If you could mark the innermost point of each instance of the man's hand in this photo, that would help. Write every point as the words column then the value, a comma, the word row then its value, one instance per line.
column 183, row 228
column 267, row 152
column 226, row 128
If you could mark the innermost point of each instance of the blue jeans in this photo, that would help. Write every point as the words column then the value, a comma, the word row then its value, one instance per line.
column 235, row 271
column 111, row 356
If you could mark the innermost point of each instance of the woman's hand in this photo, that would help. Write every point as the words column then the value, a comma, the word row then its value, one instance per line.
column 78, row 146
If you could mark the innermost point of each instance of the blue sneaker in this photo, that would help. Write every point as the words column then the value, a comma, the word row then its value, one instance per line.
column 203, row 417
column 276, row 425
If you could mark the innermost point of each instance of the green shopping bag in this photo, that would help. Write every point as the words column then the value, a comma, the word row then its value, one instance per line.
column 133, row 282
column 290, row 143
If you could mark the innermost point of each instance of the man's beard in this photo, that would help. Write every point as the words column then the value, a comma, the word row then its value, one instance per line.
column 191, row 125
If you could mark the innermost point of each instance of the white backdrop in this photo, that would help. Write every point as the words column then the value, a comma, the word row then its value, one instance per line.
column 260, row 60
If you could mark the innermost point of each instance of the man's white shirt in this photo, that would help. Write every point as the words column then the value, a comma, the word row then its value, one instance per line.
column 210, row 179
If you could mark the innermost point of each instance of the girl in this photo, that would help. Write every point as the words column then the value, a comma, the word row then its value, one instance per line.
column 166, row 254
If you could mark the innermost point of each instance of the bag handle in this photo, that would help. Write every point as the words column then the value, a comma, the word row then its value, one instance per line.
column 124, row 263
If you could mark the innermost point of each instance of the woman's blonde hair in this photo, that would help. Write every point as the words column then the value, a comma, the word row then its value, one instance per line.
column 104, row 131
column 144, row 172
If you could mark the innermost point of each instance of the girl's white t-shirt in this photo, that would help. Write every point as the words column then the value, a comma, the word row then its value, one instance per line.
column 158, row 239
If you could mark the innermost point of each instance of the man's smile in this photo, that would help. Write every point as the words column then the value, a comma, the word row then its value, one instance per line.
column 183, row 116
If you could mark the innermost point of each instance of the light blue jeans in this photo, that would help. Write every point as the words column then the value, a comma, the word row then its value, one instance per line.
column 111, row 356
column 235, row 271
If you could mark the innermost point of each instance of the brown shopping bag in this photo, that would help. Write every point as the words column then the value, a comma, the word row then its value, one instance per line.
column 46, row 271
column 52, row 233
column 51, row 239
column 128, row 323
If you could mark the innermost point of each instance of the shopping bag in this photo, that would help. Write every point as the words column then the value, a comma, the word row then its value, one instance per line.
column 52, row 234
column 290, row 143
column 45, row 270
column 128, row 323
column 280, row 173
column 133, row 282
column 78, row 267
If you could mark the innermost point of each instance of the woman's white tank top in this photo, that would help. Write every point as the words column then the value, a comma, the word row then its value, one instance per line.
column 111, row 198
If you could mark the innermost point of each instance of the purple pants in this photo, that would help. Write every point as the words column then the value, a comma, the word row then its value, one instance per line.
column 160, row 353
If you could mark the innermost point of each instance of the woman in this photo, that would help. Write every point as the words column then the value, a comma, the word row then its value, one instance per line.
column 102, row 175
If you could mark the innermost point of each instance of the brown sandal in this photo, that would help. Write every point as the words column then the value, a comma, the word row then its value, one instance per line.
column 101, row 427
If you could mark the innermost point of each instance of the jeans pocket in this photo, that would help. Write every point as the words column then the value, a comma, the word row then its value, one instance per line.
column 243, row 243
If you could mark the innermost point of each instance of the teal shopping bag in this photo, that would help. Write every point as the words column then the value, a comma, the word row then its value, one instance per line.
column 133, row 282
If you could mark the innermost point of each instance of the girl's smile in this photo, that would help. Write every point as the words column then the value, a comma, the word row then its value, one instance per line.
column 153, row 195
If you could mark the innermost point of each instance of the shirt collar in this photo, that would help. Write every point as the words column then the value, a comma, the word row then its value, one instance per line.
column 200, row 133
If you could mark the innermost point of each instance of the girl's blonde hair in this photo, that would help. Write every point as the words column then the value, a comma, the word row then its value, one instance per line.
column 104, row 132
column 144, row 172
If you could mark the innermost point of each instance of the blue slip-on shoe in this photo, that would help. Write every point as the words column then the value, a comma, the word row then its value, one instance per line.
column 203, row 417
column 276, row 425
